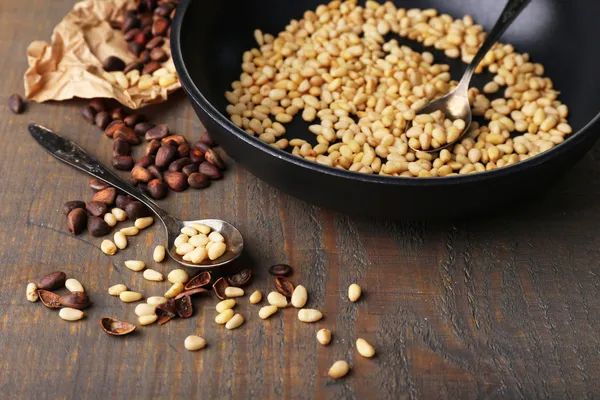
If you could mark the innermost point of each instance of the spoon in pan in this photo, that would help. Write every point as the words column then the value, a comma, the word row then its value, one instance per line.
column 70, row 153
column 455, row 105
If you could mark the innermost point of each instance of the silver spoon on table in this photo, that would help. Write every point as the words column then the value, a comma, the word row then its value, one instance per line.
column 455, row 105
column 68, row 152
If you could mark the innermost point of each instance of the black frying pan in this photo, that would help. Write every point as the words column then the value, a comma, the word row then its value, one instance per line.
column 209, row 37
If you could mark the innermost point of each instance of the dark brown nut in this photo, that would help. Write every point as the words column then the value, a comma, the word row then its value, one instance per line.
column 133, row 119
column 152, row 147
column 190, row 169
column 131, row 22
column 78, row 300
column 165, row 156
column 197, row 180
column 115, row 25
column 207, row 139
column 166, row 312
column 145, row 161
column 97, row 185
column 124, row 163
column 184, row 307
column 155, row 42
column 151, row 66
column 160, row 26
column 136, row 210
column 210, row 171
column 123, row 200
column 164, row 10
column 97, row 226
column 49, row 299
column 131, row 34
column 141, row 174
column 284, row 286
column 155, row 171
column 198, row 281
column 77, row 221
column 150, row 5
column 183, row 150
column 102, row 119
column 134, row 65
column 71, row 205
column 115, row 327
column 52, row 281
column 158, row 132
column 89, row 114
column 212, row 157
column 118, row 113
column 96, row 208
column 176, row 181
column 280, row 270
column 174, row 140
column 148, row 28
column 141, row 128
column 196, row 156
column 141, row 39
column 157, row 189
column 113, row 127
column 203, row 147
column 98, row 104
column 128, row 135
column 147, row 20
column 219, row 288
column 240, row 279
column 113, row 63
column 135, row 48
column 15, row 103
column 177, row 165
column 145, row 59
column 121, row 148
column 158, row 54
column 106, row 196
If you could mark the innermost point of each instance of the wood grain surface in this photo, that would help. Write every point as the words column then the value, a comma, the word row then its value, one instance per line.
column 501, row 307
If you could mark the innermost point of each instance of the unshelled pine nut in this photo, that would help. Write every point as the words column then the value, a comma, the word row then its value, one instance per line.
column 174, row 290
column 256, row 297
column 232, row 291
column 135, row 265
column 32, row 292
column 73, row 285
column 156, row 300
column 130, row 231
column 108, row 247
column 309, row 315
column 70, row 314
column 339, row 369
column 116, row 290
column 119, row 214
column 178, row 275
column 299, row 297
column 364, row 348
column 159, row 253
column 194, row 343
column 216, row 237
column 144, row 309
column 110, row 219
column 148, row 319
column 143, row 223
column 225, row 305
column 120, row 240
column 204, row 229
column 130, row 297
column 225, row 316
column 277, row 299
column 324, row 336
column 235, row 322
column 354, row 292
column 152, row 275
column 266, row 311
column 216, row 250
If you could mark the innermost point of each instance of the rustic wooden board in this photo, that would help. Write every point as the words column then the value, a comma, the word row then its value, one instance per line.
column 504, row 307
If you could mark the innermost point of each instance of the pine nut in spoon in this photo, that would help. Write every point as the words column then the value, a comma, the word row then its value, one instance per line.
column 455, row 105
column 68, row 152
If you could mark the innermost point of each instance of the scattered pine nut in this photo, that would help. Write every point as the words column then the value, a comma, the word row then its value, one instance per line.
column 119, row 214
column 143, row 309
column 159, row 253
column 110, row 219
column 225, row 316
column 364, row 348
column 178, row 275
column 354, row 292
column 156, row 300
column 147, row 319
column 266, row 311
column 143, row 223
column 73, row 285
column 232, row 291
column 174, row 290
column 130, row 297
column 225, row 305
column 120, row 240
column 299, row 297
column 108, row 247
column 135, row 265
column 235, row 322
column 309, row 315
column 324, row 336
column 194, row 343
column 116, row 290
column 339, row 369
column 152, row 275
column 32, row 292
column 256, row 297
column 277, row 299
column 130, row 231
column 70, row 314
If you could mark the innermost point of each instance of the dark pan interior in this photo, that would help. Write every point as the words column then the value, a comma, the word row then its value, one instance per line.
column 560, row 34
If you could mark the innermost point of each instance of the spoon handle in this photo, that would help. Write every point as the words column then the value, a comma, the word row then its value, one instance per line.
column 511, row 12
column 70, row 153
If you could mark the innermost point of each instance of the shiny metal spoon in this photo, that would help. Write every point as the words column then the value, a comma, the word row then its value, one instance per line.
column 68, row 152
column 455, row 105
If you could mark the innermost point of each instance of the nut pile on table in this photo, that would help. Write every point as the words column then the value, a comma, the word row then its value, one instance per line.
column 70, row 305
column 342, row 71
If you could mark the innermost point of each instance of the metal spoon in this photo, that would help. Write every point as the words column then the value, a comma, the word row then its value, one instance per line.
column 68, row 152
column 455, row 105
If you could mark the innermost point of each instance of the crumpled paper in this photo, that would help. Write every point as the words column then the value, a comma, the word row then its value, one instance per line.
column 71, row 65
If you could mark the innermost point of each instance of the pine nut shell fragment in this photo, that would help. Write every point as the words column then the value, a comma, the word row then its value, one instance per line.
column 339, row 369
column 194, row 343
column 309, row 315
column 364, row 348
column 235, row 322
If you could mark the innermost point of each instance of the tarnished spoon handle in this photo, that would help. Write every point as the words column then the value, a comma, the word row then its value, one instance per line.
column 511, row 12
column 70, row 153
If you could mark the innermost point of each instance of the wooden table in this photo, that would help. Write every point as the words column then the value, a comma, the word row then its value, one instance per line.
column 504, row 307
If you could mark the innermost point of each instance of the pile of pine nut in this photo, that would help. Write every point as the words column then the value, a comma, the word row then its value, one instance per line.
column 198, row 242
column 341, row 71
